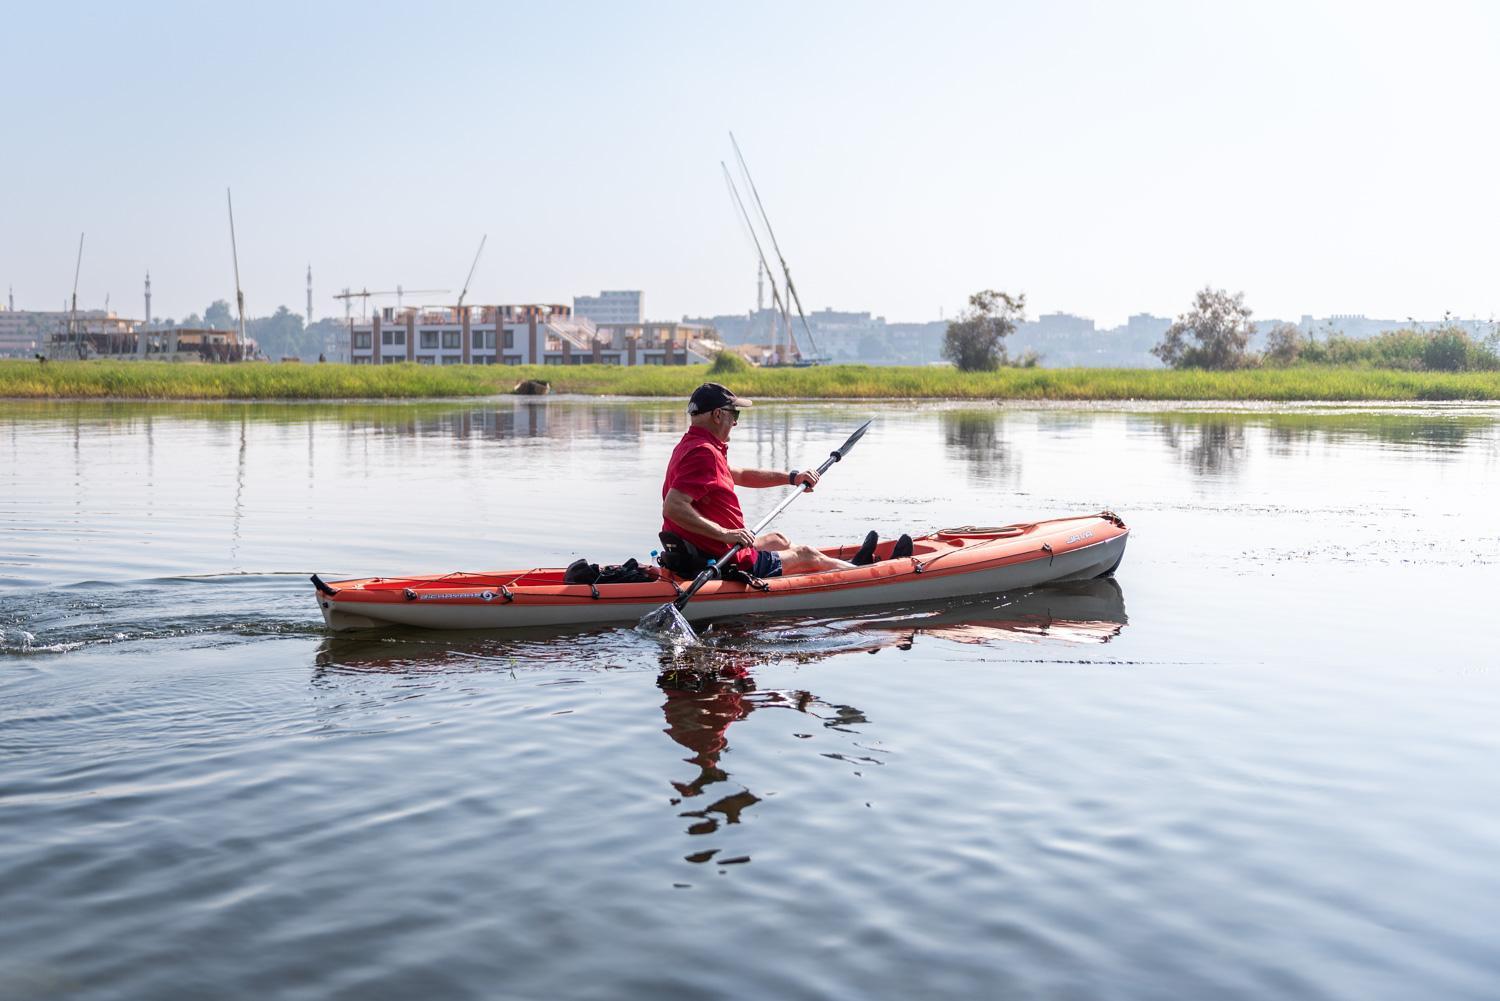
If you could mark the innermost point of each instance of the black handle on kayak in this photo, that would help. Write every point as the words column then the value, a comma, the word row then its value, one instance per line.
column 712, row 571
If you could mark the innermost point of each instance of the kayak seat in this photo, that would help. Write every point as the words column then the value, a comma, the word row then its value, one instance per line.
column 680, row 557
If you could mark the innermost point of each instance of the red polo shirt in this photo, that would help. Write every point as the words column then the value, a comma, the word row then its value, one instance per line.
column 699, row 468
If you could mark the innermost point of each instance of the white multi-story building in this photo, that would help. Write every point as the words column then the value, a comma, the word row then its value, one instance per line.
column 611, row 307
column 522, row 335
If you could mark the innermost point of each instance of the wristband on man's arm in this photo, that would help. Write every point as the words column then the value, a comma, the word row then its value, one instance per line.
column 792, row 477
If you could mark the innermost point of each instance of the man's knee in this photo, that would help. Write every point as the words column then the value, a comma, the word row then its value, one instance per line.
column 774, row 540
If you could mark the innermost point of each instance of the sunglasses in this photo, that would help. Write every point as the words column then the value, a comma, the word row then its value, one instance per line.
column 734, row 415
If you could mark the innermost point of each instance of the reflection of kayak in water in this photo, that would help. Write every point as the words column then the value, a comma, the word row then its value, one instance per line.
column 1086, row 612
column 953, row 563
column 1082, row 612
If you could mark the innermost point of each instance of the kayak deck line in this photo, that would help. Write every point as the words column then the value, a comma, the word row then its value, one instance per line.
column 959, row 562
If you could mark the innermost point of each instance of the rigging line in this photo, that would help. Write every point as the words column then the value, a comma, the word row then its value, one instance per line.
column 784, row 304
column 785, row 270
column 735, row 194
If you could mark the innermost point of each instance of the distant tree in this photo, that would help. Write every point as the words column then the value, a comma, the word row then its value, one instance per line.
column 1213, row 334
column 1448, row 349
column 218, row 316
column 729, row 363
column 321, row 336
column 975, row 342
column 281, row 335
column 1284, row 344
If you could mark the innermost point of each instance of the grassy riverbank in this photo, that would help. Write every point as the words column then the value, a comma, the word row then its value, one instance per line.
column 167, row 381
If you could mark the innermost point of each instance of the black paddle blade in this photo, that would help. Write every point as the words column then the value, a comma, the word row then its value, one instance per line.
column 847, row 446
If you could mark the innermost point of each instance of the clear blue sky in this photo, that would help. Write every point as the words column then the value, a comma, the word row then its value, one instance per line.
column 1101, row 158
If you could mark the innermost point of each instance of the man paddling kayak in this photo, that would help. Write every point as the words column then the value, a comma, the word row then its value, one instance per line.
column 699, row 504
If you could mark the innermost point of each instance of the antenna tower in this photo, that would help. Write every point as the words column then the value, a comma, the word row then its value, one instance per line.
column 309, row 295
column 148, row 297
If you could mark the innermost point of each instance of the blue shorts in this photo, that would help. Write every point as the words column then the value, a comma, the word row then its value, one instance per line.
column 766, row 564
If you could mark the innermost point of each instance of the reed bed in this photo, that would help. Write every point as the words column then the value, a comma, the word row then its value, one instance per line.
column 254, row 381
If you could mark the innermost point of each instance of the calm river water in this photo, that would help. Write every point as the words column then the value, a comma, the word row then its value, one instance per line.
column 1263, row 762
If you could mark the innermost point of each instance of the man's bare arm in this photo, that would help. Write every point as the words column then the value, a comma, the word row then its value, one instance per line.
column 678, row 508
column 771, row 477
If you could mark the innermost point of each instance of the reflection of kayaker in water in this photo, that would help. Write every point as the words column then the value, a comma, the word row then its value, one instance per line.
column 701, row 702
column 699, row 709
column 700, row 508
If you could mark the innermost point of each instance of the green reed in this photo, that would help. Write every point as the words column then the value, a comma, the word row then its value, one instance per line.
column 264, row 381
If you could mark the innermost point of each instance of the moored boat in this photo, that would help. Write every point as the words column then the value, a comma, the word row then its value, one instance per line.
column 951, row 563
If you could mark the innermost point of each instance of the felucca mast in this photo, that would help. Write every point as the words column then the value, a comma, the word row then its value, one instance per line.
column 791, row 290
column 471, row 271
column 239, row 296
column 749, row 228
column 75, row 336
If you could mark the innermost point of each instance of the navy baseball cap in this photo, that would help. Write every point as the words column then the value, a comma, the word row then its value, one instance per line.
column 712, row 396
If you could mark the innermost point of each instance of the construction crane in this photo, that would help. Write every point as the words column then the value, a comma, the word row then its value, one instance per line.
column 365, row 295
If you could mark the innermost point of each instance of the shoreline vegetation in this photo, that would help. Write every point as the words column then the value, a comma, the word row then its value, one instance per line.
column 134, row 380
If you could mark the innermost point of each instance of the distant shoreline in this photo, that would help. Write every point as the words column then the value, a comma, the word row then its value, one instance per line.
column 108, row 380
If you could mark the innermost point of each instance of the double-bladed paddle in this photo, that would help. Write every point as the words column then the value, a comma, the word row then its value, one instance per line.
column 671, row 612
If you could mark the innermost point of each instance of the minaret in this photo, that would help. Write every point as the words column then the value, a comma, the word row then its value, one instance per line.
column 309, row 295
column 148, row 298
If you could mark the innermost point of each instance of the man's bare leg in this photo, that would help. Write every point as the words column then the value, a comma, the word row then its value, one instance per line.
column 806, row 559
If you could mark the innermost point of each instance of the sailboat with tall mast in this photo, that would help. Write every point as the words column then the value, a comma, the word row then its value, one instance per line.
column 790, row 353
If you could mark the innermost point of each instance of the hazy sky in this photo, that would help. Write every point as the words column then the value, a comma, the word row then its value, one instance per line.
column 1103, row 159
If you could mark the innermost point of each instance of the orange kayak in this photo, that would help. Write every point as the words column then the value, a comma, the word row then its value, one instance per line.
column 951, row 563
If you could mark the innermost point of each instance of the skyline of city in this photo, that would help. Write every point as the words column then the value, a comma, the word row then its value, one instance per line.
column 1323, row 158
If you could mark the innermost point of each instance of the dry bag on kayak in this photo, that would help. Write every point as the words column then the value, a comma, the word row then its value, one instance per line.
column 629, row 572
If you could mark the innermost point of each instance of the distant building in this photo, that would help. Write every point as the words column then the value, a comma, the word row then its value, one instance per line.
column 831, row 320
column 23, row 332
column 522, row 335
column 611, row 307
column 96, row 333
column 1064, row 324
column 699, row 341
column 1146, row 326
